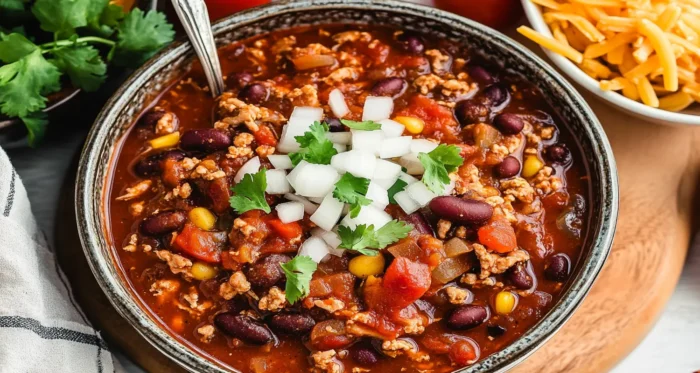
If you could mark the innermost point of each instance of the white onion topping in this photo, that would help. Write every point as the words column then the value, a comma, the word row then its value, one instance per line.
column 316, row 248
column 420, row 193
column 277, row 182
column 250, row 167
column 407, row 204
column 367, row 141
column 422, row 146
column 327, row 213
column 412, row 164
column 392, row 128
column 290, row 211
column 280, row 161
column 377, row 108
column 309, row 207
column 378, row 195
column 343, row 138
column 314, row 180
column 395, row 147
column 336, row 100
column 307, row 112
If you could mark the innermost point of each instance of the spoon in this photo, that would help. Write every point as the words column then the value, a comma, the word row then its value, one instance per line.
column 195, row 19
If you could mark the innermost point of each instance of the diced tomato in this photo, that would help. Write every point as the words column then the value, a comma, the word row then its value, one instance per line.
column 463, row 353
column 285, row 230
column 264, row 136
column 498, row 236
column 439, row 120
column 405, row 281
column 329, row 334
column 200, row 244
column 338, row 285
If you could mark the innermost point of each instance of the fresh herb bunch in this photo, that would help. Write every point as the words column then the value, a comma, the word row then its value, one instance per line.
column 87, row 35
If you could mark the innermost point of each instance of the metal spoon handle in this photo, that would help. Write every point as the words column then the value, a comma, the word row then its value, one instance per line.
column 195, row 19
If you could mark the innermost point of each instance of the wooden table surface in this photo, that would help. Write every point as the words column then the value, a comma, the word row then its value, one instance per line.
column 658, row 170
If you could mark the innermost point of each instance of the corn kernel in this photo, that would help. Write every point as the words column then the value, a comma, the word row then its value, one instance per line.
column 412, row 124
column 364, row 265
column 202, row 218
column 531, row 166
column 202, row 271
column 166, row 141
column 505, row 302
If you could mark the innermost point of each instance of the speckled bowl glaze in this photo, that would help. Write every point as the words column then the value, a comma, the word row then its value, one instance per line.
column 100, row 151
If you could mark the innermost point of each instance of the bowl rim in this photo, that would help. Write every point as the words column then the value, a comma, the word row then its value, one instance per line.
column 534, row 15
column 91, row 226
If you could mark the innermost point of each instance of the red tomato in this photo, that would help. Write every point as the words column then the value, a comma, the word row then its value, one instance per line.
column 264, row 136
column 440, row 122
column 498, row 236
column 463, row 353
column 287, row 231
column 498, row 14
column 222, row 8
column 203, row 245
column 405, row 281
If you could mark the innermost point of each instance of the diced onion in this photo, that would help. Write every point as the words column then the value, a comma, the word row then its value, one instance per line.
column 290, row 211
column 420, row 193
column 309, row 207
column 340, row 148
column 369, row 215
column 277, row 182
column 328, row 212
column 392, row 128
column 280, row 161
column 368, row 141
column 378, row 195
column 332, row 240
column 422, row 146
column 316, row 200
column 336, row 100
column 447, row 190
column 395, row 147
column 307, row 112
column 295, row 172
column 407, row 204
column 407, row 178
column 314, row 247
column 412, row 164
column 343, row 138
column 314, row 180
column 377, row 108
column 356, row 162
column 250, row 167
column 386, row 173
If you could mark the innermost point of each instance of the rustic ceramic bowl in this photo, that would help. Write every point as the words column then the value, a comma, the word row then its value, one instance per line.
column 118, row 115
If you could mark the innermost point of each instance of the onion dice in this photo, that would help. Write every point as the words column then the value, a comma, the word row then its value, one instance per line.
column 290, row 211
column 336, row 100
column 395, row 147
column 327, row 213
column 250, row 167
column 277, row 182
column 377, row 108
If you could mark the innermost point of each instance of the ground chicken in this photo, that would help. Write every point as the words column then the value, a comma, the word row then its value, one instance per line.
column 236, row 284
column 518, row 188
column 239, row 152
column 136, row 208
column 426, row 83
column 545, row 182
column 443, row 226
column 310, row 50
column 207, row 170
column 274, row 300
column 440, row 62
column 236, row 112
column 164, row 287
column 265, row 151
column 136, row 191
column 352, row 36
column 178, row 264
column 207, row 333
column 397, row 347
column 343, row 73
column 244, row 227
column 457, row 88
column 492, row 263
column 243, row 139
column 166, row 124
column 133, row 241
column 283, row 45
column 304, row 96
column 330, row 305
column 325, row 361
column 457, row 295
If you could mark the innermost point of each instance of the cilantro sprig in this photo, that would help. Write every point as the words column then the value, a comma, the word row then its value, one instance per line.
column 352, row 189
column 315, row 146
column 398, row 186
column 249, row 193
column 368, row 241
column 86, row 36
column 298, row 272
column 438, row 164
column 367, row 125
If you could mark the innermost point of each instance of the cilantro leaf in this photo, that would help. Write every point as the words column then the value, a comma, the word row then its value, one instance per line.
column 315, row 146
column 140, row 35
column 249, row 193
column 367, row 125
column 438, row 164
column 62, row 17
column 351, row 189
column 24, row 82
column 17, row 5
column 83, row 65
column 298, row 272
column 398, row 186
column 365, row 240
column 36, row 127
column 111, row 15
column 15, row 46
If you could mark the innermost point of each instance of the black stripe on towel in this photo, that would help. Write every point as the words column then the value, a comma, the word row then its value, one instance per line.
column 11, row 195
column 49, row 332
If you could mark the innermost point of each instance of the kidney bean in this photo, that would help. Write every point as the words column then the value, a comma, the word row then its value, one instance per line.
column 495, row 331
column 411, row 43
column 467, row 317
column 243, row 327
column 480, row 74
column 508, row 123
column 152, row 165
column 292, row 323
column 206, row 139
column 389, row 87
column 364, row 354
column 464, row 211
column 520, row 277
column 419, row 223
column 470, row 112
column 267, row 272
column 509, row 167
column 255, row 93
column 557, row 267
column 163, row 222
column 558, row 153
column 240, row 79
column 151, row 117
column 496, row 94
column 334, row 125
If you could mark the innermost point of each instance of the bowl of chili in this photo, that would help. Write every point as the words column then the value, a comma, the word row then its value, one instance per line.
column 503, row 193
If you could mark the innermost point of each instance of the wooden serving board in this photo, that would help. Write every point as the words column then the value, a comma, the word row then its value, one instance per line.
column 658, row 172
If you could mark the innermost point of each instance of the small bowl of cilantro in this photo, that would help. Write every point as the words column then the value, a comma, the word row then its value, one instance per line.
column 52, row 49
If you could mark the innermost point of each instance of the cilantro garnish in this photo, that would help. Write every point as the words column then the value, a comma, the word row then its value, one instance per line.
column 315, row 146
column 367, row 125
column 298, row 271
column 365, row 240
column 249, row 193
column 351, row 189
column 398, row 186
column 438, row 164
column 32, row 71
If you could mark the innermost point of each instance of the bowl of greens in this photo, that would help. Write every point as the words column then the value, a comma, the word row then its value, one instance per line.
column 50, row 50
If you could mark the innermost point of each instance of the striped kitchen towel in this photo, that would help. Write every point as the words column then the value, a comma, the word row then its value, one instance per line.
column 41, row 328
